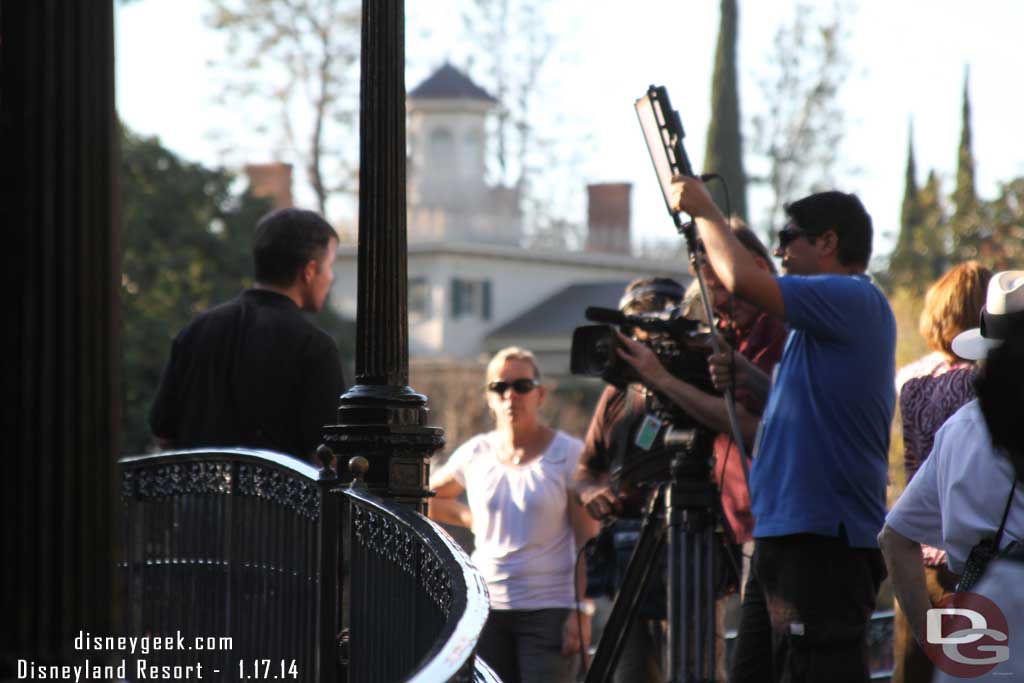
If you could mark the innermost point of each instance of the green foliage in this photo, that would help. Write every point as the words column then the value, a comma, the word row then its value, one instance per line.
column 910, row 213
column 905, row 261
column 933, row 238
column 990, row 231
column 186, row 236
column 966, row 215
column 921, row 252
column 1001, row 231
column 724, row 151
column 925, row 251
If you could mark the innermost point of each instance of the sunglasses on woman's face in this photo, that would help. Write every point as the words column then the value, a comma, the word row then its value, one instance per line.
column 520, row 386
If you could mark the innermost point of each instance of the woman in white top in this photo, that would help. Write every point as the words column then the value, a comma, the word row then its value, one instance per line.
column 526, row 525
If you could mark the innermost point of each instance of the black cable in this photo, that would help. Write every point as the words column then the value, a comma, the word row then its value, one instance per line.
column 708, row 177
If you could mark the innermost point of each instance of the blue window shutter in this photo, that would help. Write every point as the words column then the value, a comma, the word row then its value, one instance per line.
column 486, row 296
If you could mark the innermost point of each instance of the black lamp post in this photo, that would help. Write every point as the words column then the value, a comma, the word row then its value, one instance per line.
column 381, row 418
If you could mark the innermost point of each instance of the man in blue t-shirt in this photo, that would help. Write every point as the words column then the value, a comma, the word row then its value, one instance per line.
column 818, row 480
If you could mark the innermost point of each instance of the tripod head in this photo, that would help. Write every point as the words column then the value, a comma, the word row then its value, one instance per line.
column 663, row 450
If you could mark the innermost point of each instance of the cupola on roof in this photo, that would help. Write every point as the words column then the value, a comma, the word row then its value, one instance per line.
column 450, row 83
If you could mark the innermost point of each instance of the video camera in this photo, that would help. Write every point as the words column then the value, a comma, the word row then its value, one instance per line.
column 678, row 342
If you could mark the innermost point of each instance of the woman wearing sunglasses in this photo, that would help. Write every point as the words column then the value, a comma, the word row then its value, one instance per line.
column 526, row 527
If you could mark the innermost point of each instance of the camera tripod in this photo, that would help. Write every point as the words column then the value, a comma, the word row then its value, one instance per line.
column 687, row 508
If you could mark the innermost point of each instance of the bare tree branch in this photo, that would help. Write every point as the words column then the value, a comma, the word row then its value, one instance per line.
column 300, row 56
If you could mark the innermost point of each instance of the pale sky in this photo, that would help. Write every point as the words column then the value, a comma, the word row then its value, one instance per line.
column 908, row 60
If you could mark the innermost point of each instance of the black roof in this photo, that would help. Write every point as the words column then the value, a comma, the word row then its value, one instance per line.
column 561, row 313
column 449, row 83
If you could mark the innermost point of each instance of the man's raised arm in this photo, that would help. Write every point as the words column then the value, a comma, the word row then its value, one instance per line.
column 731, row 261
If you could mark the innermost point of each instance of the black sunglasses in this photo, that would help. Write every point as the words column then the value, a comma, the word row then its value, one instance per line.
column 790, row 234
column 520, row 386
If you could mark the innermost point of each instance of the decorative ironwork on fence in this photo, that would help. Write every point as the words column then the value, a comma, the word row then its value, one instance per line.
column 417, row 605
column 234, row 544
column 242, row 558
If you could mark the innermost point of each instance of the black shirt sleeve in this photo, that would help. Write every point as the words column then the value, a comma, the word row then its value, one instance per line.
column 164, row 418
column 324, row 385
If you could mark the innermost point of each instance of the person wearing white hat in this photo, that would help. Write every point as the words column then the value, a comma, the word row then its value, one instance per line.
column 965, row 492
column 1004, row 304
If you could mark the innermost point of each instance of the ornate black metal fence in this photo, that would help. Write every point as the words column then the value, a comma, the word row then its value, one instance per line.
column 417, row 605
column 232, row 544
column 232, row 560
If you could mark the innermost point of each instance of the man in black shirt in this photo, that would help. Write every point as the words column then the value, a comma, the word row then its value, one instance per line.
column 255, row 372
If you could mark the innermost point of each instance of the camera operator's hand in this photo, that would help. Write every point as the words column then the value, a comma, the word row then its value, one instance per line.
column 643, row 360
column 600, row 501
column 691, row 196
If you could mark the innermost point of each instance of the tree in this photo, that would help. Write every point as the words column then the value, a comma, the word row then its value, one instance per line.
column 724, row 150
column 300, row 57
column 921, row 252
column 966, row 219
column 1000, row 236
column 933, row 234
column 905, row 263
column 798, row 136
column 510, row 46
column 187, row 246
column 512, row 43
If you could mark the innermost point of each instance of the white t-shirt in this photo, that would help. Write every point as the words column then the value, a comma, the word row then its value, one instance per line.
column 958, row 496
column 525, row 547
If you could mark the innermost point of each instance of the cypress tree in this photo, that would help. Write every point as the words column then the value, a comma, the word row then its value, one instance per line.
column 934, row 232
column 910, row 215
column 723, row 153
column 965, row 199
column 906, row 265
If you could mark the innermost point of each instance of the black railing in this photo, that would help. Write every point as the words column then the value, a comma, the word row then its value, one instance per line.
column 416, row 604
column 233, row 544
column 246, row 546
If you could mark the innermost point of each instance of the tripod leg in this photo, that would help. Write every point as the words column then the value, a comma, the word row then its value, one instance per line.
column 679, row 595
column 711, row 623
column 699, row 617
column 692, row 617
column 641, row 564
